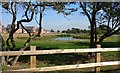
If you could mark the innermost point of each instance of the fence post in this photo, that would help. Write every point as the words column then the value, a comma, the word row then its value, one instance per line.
column 32, row 58
column 97, row 59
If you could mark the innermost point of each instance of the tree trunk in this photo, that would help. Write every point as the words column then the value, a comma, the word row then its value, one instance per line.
column 100, row 40
column 23, row 48
column 92, row 36
column 40, row 24
column 93, row 32
column 95, row 35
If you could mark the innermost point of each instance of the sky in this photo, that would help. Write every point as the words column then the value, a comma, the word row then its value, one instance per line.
column 52, row 20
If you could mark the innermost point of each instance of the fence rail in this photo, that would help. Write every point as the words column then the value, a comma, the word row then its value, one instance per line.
column 57, row 51
column 65, row 67
column 33, row 52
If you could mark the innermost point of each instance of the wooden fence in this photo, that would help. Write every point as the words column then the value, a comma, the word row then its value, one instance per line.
column 33, row 54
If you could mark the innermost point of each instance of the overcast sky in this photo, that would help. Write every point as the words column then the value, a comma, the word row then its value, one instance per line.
column 52, row 20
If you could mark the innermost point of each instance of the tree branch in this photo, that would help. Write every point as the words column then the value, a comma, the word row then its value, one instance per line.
column 84, row 9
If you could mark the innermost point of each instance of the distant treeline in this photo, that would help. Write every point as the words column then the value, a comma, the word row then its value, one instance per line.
column 75, row 31
column 101, row 29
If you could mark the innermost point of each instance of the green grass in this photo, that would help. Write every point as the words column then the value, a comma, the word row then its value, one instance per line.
column 46, row 42
column 52, row 44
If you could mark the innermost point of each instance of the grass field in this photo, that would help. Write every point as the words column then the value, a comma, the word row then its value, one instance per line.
column 46, row 42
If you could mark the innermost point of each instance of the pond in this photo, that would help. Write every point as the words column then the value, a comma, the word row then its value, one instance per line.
column 67, row 39
column 64, row 38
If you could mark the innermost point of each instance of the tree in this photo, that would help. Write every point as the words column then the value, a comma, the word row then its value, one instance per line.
column 51, row 30
column 63, row 31
column 58, row 6
column 101, row 13
column 40, row 11
column 58, row 31
column 104, row 27
column 12, row 9
column 111, row 16
column 29, row 10
column 90, row 10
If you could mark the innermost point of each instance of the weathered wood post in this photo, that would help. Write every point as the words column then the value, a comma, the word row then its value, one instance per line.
column 97, row 59
column 32, row 58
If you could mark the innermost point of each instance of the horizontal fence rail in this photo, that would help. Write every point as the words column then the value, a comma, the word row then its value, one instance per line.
column 34, row 52
column 57, row 51
column 66, row 67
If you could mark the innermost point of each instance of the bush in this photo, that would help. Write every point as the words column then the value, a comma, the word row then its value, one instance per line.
column 81, row 36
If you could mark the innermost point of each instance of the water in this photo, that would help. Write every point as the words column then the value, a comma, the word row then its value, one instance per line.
column 69, row 39
column 64, row 38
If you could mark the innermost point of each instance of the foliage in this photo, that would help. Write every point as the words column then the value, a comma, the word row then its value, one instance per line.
column 110, row 16
column 101, row 13
column 58, row 31
column 75, row 31
column 82, row 36
column 97, row 13
column 28, row 14
column 102, row 29
column 52, row 30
